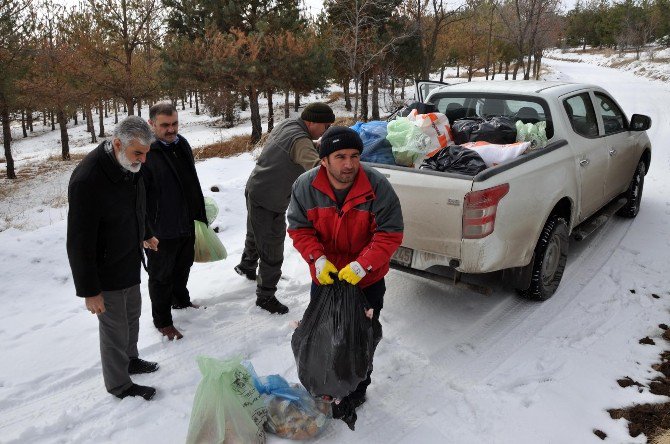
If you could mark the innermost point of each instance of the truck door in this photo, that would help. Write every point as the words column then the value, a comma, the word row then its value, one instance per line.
column 424, row 88
column 592, row 158
column 619, row 142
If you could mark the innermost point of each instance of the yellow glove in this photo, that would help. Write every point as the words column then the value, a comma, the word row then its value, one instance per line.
column 323, row 269
column 352, row 273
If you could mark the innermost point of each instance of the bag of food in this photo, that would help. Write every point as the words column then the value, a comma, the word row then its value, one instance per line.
column 496, row 129
column 408, row 142
column 376, row 148
column 435, row 126
column 493, row 154
column 292, row 412
column 455, row 159
column 334, row 343
column 208, row 246
column 211, row 210
column 227, row 408
column 535, row 133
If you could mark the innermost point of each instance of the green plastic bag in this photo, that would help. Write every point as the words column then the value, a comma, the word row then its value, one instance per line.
column 408, row 142
column 535, row 133
column 211, row 210
column 208, row 246
column 227, row 408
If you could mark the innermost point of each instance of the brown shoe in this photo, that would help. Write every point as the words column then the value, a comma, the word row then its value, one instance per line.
column 171, row 332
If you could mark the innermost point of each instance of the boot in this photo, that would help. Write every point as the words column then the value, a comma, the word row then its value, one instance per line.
column 138, row 390
column 171, row 332
column 137, row 366
column 272, row 305
column 248, row 273
column 182, row 306
column 345, row 411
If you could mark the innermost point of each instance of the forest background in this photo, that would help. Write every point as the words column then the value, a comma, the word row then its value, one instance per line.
column 59, row 63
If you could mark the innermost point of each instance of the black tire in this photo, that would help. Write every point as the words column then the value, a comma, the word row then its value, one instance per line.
column 634, row 193
column 551, row 254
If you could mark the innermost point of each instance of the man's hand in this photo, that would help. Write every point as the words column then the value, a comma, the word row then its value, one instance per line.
column 95, row 304
column 151, row 244
column 352, row 273
column 323, row 269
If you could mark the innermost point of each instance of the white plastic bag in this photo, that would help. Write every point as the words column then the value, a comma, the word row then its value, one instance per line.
column 435, row 126
column 493, row 154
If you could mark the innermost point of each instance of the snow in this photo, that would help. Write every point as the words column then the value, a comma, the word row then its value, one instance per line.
column 454, row 365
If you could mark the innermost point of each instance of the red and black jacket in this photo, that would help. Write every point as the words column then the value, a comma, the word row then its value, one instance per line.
column 368, row 228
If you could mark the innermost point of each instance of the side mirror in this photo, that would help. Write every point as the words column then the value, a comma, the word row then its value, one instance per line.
column 640, row 122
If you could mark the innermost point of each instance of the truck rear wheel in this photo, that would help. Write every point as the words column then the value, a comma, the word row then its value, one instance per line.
column 634, row 193
column 551, row 254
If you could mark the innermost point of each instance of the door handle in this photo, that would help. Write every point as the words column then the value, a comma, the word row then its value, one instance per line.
column 612, row 152
column 584, row 162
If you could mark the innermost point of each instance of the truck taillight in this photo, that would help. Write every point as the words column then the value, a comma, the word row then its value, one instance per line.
column 479, row 211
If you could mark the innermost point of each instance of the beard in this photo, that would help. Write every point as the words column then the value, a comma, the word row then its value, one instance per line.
column 126, row 163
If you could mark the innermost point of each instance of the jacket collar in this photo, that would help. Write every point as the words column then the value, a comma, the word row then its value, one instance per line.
column 109, row 164
column 361, row 191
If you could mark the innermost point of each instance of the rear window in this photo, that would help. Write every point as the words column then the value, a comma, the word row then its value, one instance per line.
column 526, row 109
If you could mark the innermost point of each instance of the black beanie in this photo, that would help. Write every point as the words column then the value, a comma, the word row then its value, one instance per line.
column 318, row 112
column 339, row 138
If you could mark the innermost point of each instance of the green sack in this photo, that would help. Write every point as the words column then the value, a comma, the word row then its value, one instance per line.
column 408, row 142
column 227, row 408
column 208, row 246
column 211, row 210
column 535, row 133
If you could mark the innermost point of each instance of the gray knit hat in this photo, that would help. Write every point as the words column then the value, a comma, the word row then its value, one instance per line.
column 339, row 138
column 318, row 112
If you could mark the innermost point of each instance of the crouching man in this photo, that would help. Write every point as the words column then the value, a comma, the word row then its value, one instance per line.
column 344, row 218
column 105, row 233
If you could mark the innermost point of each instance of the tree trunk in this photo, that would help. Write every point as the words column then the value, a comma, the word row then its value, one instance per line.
column 106, row 108
column 296, row 102
column 129, row 106
column 86, row 112
column 53, row 123
column 526, row 73
column 442, row 68
column 347, row 95
column 271, row 112
column 375, row 97
column 190, row 99
column 402, row 89
column 30, row 120
column 7, row 142
column 256, row 128
column 365, row 81
column 287, row 104
column 183, row 105
column 197, row 105
column 356, row 97
column 139, row 107
column 393, row 87
column 76, row 118
column 116, row 112
column 64, row 138
column 506, row 70
column 516, row 69
column 89, row 119
column 101, row 119
column 458, row 70
column 23, row 123
column 44, row 117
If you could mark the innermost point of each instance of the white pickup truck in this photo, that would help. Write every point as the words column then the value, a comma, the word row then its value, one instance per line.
column 518, row 216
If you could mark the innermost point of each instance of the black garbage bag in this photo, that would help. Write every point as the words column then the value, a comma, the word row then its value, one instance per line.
column 455, row 159
column 496, row 129
column 334, row 343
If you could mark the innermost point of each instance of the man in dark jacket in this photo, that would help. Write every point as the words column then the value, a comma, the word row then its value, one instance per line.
column 345, row 218
column 287, row 154
column 105, row 231
column 174, row 201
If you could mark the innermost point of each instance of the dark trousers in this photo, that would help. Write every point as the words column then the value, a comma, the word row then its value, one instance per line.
column 375, row 296
column 119, row 327
column 169, row 268
column 264, row 247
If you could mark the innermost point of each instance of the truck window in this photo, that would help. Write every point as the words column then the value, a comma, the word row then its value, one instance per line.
column 581, row 114
column 614, row 119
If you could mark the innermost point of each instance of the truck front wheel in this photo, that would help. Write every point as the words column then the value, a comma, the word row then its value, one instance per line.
column 551, row 254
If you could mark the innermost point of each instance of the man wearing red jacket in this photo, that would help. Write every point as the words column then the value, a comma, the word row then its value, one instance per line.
column 344, row 218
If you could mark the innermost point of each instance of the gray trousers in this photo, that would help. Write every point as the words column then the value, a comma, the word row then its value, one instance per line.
column 119, row 327
column 264, row 247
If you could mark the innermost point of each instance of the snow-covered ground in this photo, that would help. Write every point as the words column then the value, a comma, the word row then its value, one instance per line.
column 454, row 366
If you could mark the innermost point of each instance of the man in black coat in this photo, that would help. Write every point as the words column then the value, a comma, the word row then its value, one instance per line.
column 174, row 201
column 105, row 232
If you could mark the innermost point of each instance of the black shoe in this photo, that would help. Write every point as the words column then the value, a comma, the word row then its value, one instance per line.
column 249, row 274
column 138, row 390
column 272, row 305
column 183, row 306
column 137, row 366
column 345, row 411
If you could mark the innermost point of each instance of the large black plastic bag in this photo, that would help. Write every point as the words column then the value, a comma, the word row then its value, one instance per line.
column 497, row 129
column 334, row 344
column 455, row 159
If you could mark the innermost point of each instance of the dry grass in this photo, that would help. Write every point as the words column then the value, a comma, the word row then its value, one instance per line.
column 73, row 158
column 235, row 145
column 344, row 121
column 335, row 96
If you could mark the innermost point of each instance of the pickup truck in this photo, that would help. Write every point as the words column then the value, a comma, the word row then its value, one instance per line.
column 518, row 216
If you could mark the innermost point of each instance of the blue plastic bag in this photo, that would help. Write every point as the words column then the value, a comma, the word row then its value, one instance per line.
column 292, row 412
column 376, row 148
